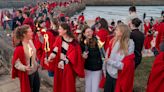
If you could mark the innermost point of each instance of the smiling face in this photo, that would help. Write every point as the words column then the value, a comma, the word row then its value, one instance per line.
column 88, row 33
column 61, row 31
column 17, row 13
column 29, row 34
column 118, row 32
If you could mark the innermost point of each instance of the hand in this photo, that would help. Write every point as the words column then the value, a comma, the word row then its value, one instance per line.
column 61, row 65
column 85, row 54
column 51, row 56
column 28, row 68
column 46, row 61
column 17, row 22
column 106, row 60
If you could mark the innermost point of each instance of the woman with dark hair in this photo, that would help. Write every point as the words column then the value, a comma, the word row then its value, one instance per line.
column 67, row 59
column 103, row 31
column 49, row 39
column 39, row 39
column 28, row 20
column 148, row 37
column 24, row 65
column 138, row 38
column 93, row 60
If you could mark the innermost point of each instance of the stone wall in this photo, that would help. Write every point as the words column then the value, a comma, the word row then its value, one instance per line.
column 124, row 2
column 16, row 3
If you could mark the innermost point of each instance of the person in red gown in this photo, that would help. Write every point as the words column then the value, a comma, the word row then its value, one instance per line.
column 24, row 65
column 103, row 31
column 39, row 39
column 148, row 37
column 52, row 34
column 156, row 77
column 81, row 18
column 160, row 34
column 28, row 21
column 156, row 25
column 68, row 61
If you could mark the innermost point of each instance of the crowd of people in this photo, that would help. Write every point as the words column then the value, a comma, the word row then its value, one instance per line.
column 105, row 55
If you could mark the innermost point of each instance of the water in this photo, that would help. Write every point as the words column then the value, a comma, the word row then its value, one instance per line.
column 120, row 12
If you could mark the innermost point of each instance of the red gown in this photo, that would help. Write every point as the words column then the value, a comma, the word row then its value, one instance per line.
column 48, row 24
column 39, row 45
column 125, row 78
column 156, row 78
column 103, row 35
column 64, row 80
column 81, row 18
column 33, row 10
column 160, row 35
column 148, row 38
column 23, row 76
column 156, row 26
column 52, row 35
column 147, row 41
column 51, row 6
column 146, row 28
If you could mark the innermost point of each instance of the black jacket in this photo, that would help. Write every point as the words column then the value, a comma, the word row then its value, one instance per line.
column 94, row 61
column 138, row 38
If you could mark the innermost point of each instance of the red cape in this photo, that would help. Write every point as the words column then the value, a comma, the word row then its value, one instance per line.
column 48, row 24
column 125, row 78
column 51, row 39
column 160, row 35
column 147, row 41
column 51, row 6
column 110, row 43
column 64, row 80
column 33, row 10
column 156, row 78
column 39, row 47
column 81, row 18
column 38, row 44
column 23, row 76
column 146, row 28
column 156, row 26
column 103, row 35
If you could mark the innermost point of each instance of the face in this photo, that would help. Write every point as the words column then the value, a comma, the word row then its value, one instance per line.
column 88, row 33
column 61, row 31
column 17, row 13
column 43, row 24
column 24, row 16
column 29, row 34
column 118, row 32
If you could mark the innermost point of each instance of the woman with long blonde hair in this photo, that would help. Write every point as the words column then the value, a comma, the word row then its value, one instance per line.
column 119, row 47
